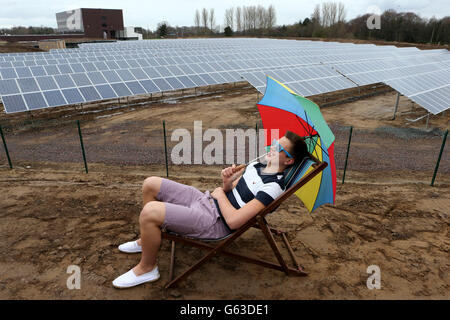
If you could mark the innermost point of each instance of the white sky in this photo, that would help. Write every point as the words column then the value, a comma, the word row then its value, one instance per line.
column 147, row 14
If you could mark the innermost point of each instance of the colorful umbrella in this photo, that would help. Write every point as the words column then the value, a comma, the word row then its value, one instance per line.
column 283, row 109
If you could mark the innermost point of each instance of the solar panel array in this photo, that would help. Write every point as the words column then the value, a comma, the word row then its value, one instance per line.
column 99, row 71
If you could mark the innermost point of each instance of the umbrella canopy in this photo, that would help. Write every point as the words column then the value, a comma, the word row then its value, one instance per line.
column 283, row 109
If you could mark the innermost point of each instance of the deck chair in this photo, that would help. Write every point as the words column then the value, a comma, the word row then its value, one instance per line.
column 295, row 177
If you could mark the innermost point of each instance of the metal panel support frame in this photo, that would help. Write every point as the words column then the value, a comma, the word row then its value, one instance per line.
column 420, row 118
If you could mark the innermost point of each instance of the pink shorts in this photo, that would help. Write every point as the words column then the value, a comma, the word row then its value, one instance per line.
column 190, row 212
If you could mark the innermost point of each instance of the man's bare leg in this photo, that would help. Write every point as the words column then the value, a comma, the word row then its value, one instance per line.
column 150, row 221
column 150, row 189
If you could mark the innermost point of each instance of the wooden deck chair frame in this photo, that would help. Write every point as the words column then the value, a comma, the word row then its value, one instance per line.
column 257, row 221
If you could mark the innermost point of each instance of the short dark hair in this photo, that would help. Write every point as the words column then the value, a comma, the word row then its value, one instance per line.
column 299, row 147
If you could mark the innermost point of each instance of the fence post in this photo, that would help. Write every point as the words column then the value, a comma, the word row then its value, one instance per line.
column 165, row 148
column 6, row 148
column 348, row 149
column 396, row 105
column 439, row 158
column 82, row 146
column 256, row 140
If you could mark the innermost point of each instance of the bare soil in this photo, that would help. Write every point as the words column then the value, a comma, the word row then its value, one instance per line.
column 53, row 215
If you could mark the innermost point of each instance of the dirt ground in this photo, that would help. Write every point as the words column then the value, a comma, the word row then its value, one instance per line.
column 53, row 215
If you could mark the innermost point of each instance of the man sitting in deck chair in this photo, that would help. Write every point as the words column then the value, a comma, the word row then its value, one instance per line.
column 187, row 211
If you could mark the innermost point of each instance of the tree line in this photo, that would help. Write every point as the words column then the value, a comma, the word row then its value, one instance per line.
column 403, row 27
column 28, row 30
column 328, row 20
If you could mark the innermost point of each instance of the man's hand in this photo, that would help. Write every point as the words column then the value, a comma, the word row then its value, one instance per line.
column 217, row 193
column 230, row 174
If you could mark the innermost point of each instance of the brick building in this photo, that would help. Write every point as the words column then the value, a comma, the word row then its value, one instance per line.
column 94, row 23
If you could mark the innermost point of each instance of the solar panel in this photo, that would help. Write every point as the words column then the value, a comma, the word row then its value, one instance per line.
column 96, row 77
column 208, row 79
column 14, row 103
column 23, row 72
column 51, row 69
column 46, row 83
column 8, row 73
column 8, row 86
column 162, row 84
column 72, row 95
column 125, row 75
column 431, row 90
column 106, row 91
column 163, row 71
column 107, row 70
column 89, row 93
column 121, row 89
column 64, row 81
column 54, row 98
column 111, row 76
column 139, row 74
column 135, row 87
column 35, row 100
column 27, row 84
column 435, row 101
column 80, row 79
column 187, row 82
column 198, row 81
column 149, row 86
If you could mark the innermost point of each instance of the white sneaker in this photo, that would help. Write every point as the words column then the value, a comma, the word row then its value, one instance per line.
column 130, row 247
column 129, row 279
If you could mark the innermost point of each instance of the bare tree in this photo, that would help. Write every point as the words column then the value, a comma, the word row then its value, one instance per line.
column 341, row 13
column 271, row 18
column 316, row 18
column 238, row 19
column 205, row 18
column 326, row 14
column 197, row 20
column 333, row 13
column 251, row 10
column 229, row 18
column 250, row 18
column 212, row 19
column 260, row 17
column 245, row 19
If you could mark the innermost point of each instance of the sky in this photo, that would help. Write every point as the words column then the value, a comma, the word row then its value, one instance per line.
column 147, row 14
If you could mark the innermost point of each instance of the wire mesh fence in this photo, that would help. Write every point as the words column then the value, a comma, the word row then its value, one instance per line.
column 131, row 143
column 390, row 149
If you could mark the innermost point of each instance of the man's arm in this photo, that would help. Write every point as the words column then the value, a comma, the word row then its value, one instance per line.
column 235, row 218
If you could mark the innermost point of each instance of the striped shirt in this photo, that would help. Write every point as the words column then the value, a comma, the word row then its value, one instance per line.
column 255, row 184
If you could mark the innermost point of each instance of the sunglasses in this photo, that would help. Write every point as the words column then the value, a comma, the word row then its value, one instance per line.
column 279, row 148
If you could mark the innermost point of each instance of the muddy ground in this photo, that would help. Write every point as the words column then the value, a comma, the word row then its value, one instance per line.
column 54, row 215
